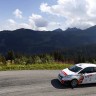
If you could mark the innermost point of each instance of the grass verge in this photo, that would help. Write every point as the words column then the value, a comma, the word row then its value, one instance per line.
column 53, row 66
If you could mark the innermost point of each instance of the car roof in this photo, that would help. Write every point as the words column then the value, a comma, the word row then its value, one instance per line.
column 84, row 65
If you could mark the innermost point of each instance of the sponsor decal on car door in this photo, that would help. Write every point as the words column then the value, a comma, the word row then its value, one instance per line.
column 94, row 75
column 88, row 75
column 88, row 78
column 93, row 78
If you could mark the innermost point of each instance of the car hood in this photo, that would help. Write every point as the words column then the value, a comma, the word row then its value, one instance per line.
column 66, row 72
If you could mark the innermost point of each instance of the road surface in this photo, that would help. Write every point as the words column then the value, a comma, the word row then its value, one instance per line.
column 39, row 83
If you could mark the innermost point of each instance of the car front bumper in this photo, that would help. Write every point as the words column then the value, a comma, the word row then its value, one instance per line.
column 60, row 78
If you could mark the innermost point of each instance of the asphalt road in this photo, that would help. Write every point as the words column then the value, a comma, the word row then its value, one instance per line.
column 39, row 83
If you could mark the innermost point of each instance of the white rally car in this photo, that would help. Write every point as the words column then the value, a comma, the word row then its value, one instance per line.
column 82, row 73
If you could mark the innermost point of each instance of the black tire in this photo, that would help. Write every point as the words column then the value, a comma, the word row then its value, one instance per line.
column 74, row 83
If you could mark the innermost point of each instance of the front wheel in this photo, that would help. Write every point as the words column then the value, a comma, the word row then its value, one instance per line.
column 74, row 83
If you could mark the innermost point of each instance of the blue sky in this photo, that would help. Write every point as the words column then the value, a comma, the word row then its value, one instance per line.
column 27, row 6
column 47, row 14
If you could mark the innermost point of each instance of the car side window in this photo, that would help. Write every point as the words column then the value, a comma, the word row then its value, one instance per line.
column 87, row 70
column 94, row 69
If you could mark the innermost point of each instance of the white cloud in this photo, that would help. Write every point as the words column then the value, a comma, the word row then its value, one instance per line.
column 78, row 13
column 45, row 8
column 10, row 24
column 62, row 14
column 38, row 22
column 24, row 25
column 66, row 8
column 18, row 13
column 11, row 21
column 35, row 22
column 92, row 8
column 42, row 29
column 54, row 25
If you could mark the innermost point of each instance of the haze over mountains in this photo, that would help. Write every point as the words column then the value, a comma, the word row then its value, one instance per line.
column 34, row 42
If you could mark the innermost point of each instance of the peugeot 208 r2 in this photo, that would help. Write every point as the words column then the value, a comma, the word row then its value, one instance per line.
column 81, row 73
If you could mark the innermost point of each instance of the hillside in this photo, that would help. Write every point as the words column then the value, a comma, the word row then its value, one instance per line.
column 33, row 42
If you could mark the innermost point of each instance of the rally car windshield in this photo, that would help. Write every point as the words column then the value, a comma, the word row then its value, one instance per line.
column 75, row 68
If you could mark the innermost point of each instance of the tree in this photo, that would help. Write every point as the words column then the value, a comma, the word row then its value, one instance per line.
column 2, row 59
column 47, row 58
column 10, row 56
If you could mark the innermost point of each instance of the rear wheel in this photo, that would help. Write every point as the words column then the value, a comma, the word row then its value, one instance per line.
column 74, row 83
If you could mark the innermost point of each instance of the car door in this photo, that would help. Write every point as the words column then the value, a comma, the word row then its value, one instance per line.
column 87, row 73
column 94, row 75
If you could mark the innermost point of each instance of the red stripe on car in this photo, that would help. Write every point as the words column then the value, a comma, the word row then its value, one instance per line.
column 64, row 73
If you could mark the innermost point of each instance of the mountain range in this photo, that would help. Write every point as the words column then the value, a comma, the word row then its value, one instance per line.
column 34, row 42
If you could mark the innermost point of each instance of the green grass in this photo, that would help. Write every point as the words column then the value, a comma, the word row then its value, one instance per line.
column 53, row 66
